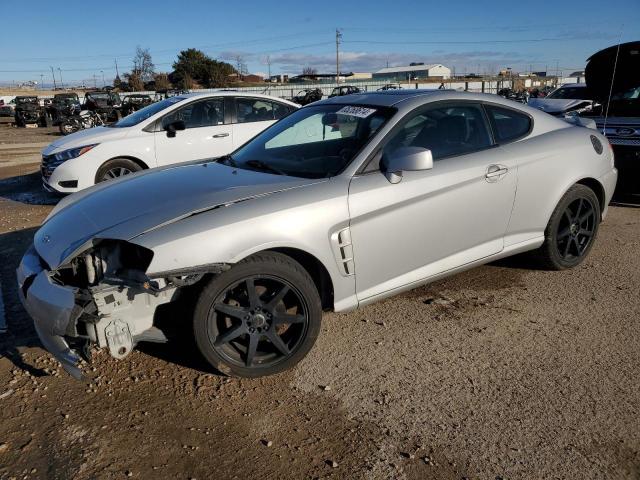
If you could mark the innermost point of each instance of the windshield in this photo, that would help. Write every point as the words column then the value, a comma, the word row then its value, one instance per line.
column 146, row 112
column 570, row 93
column 313, row 142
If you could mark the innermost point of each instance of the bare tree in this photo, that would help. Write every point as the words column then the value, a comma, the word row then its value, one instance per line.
column 241, row 67
column 142, row 64
column 310, row 71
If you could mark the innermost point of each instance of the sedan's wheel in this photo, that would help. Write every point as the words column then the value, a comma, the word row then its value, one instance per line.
column 259, row 318
column 116, row 168
column 571, row 230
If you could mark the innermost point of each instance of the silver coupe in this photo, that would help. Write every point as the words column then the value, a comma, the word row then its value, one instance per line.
column 340, row 204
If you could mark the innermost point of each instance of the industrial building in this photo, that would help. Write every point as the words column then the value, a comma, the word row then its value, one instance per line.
column 415, row 71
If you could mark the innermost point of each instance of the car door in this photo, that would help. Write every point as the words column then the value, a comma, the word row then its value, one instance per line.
column 205, row 135
column 253, row 115
column 432, row 220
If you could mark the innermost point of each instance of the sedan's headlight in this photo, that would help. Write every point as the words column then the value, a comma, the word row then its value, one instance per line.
column 65, row 155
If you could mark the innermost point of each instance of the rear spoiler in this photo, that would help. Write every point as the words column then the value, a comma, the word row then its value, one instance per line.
column 580, row 121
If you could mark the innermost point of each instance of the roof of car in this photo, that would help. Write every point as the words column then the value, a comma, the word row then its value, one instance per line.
column 574, row 85
column 235, row 93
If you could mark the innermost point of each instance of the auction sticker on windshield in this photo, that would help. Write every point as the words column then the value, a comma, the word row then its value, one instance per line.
column 361, row 112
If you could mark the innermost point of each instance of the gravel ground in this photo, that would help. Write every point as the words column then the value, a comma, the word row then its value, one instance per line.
column 500, row 372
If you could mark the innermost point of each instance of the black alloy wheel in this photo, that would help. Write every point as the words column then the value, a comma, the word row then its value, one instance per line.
column 258, row 318
column 576, row 229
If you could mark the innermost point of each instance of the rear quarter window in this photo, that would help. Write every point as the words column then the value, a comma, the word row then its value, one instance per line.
column 508, row 125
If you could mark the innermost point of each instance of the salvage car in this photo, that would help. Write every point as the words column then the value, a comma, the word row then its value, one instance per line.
column 571, row 98
column 177, row 129
column 62, row 106
column 28, row 111
column 133, row 103
column 413, row 186
column 344, row 90
column 106, row 104
column 307, row 96
column 618, row 115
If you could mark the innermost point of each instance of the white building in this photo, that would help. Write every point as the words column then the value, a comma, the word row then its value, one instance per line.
column 413, row 72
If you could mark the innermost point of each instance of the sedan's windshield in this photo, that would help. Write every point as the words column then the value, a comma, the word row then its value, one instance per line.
column 313, row 142
column 146, row 112
column 570, row 93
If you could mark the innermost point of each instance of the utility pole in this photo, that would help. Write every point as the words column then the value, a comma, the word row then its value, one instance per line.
column 338, row 39
column 41, row 81
column 269, row 66
column 94, row 81
column 54, row 78
column 117, row 74
column 103, row 84
column 60, row 72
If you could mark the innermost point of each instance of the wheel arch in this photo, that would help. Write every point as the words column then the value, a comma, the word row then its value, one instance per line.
column 136, row 160
column 316, row 270
column 597, row 188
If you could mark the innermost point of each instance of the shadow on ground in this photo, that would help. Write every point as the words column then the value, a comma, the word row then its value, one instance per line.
column 27, row 189
column 20, row 332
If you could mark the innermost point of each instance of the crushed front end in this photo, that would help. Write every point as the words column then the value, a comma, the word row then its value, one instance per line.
column 101, row 296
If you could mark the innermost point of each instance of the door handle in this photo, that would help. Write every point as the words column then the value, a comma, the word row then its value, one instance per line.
column 495, row 172
column 221, row 135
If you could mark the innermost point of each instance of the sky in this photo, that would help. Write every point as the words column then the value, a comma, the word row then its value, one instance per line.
column 83, row 40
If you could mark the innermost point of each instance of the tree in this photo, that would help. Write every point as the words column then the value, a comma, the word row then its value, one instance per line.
column 117, row 82
column 310, row 71
column 134, row 79
column 241, row 67
column 142, row 64
column 195, row 67
column 162, row 81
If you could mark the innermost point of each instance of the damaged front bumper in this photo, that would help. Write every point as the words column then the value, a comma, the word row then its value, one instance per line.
column 52, row 308
column 109, row 311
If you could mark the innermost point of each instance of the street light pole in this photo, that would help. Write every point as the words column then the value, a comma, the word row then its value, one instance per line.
column 338, row 38
column 60, row 72
column 54, row 78
column 103, row 84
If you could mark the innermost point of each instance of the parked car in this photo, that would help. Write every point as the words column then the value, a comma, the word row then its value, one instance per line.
column 177, row 129
column 106, row 104
column 168, row 93
column 8, row 109
column 344, row 90
column 390, row 86
column 133, row 103
column 411, row 186
column 62, row 106
column 307, row 96
column 618, row 113
column 28, row 111
column 571, row 98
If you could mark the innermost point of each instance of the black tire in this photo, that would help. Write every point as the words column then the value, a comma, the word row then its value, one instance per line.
column 571, row 230
column 226, row 323
column 115, row 168
column 68, row 126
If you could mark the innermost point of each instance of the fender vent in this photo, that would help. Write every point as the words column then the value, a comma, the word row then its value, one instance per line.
column 343, row 251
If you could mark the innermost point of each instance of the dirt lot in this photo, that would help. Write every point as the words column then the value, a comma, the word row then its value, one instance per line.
column 502, row 372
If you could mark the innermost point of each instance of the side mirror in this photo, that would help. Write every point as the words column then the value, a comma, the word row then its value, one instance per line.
column 173, row 127
column 406, row 159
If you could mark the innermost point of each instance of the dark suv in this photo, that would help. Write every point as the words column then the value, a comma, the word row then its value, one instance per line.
column 133, row 103
column 106, row 104
column 62, row 106
column 618, row 115
column 29, row 111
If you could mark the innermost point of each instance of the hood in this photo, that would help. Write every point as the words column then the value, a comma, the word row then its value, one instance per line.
column 599, row 70
column 85, row 137
column 557, row 105
column 125, row 208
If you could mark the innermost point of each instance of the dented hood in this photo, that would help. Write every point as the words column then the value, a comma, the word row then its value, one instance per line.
column 125, row 208
column 557, row 105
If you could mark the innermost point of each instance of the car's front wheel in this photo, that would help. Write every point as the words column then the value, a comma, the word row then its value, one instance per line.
column 258, row 318
column 571, row 230
column 116, row 168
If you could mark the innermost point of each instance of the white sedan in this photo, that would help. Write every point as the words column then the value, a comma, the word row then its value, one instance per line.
column 177, row 129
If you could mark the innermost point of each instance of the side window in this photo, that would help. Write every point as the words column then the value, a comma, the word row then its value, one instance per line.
column 508, row 125
column 205, row 113
column 254, row 110
column 446, row 131
column 280, row 110
column 311, row 130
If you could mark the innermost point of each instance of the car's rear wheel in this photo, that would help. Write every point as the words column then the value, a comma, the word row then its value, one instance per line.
column 571, row 230
column 116, row 168
column 258, row 318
